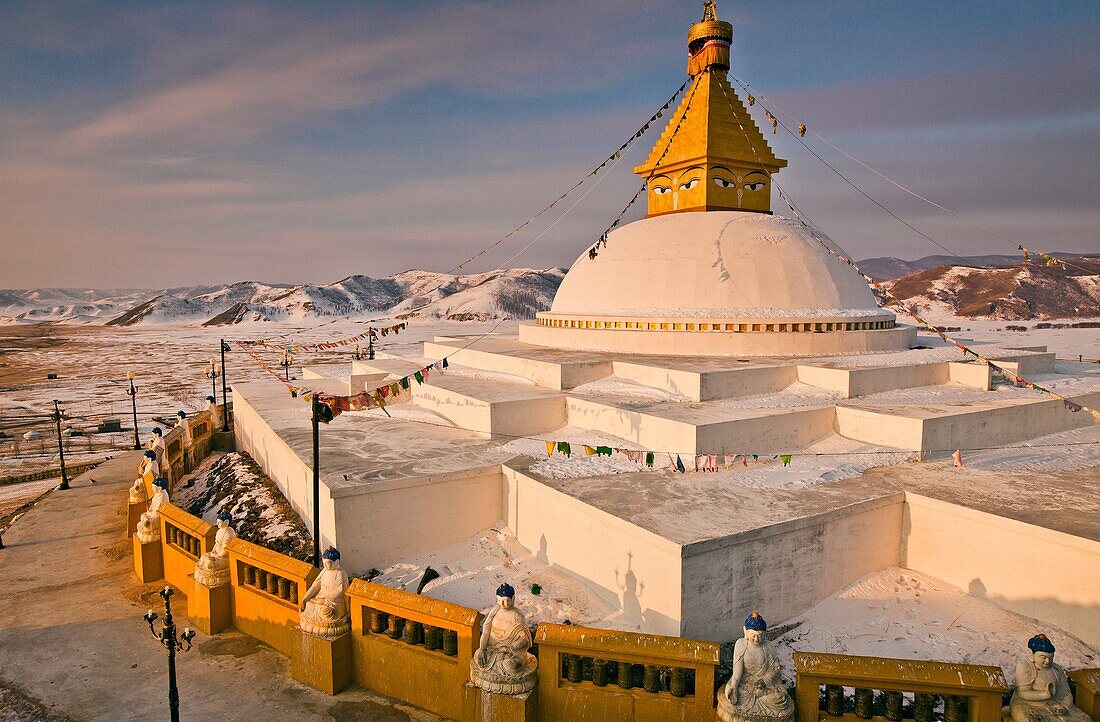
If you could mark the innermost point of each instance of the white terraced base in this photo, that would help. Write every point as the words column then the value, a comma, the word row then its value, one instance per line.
column 678, row 554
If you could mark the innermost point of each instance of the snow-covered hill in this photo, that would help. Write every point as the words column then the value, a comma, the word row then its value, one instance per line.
column 1024, row 292
column 515, row 293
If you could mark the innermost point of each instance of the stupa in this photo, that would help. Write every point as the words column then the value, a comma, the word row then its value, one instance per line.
column 715, row 337
column 710, row 271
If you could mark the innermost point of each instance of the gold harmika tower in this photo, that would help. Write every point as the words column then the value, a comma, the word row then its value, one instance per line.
column 718, row 159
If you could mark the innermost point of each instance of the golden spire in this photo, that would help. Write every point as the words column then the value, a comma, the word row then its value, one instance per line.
column 713, row 156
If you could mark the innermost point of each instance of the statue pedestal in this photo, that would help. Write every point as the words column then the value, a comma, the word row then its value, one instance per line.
column 210, row 608
column 148, row 561
column 133, row 514
column 324, row 664
column 480, row 704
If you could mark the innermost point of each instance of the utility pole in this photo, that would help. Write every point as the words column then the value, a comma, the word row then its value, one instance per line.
column 132, row 393
column 316, row 481
column 60, row 446
column 225, row 396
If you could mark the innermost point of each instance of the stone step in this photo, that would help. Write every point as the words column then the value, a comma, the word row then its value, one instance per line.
column 550, row 368
column 491, row 408
column 704, row 427
column 709, row 381
column 937, row 428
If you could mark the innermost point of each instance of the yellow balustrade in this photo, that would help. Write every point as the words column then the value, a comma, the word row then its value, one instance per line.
column 184, row 538
column 1088, row 691
column 596, row 674
column 968, row 691
column 412, row 647
column 267, row 587
column 172, row 465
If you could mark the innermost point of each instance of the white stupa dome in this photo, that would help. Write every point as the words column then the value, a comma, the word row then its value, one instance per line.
column 716, row 283
column 719, row 264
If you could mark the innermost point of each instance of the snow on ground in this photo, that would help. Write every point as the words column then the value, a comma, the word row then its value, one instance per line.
column 471, row 571
column 467, row 372
column 1064, row 451
column 907, row 615
column 234, row 482
column 13, row 496
column 1065, row 342
column 625, row 389
column 577, row 465
column 796, row 395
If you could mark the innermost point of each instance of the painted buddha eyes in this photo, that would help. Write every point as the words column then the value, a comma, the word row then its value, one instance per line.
column 689, row 185
column 661, row 190
column 724, row 183
column 755, row 185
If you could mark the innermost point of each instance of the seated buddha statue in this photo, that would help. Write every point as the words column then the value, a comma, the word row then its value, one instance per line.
column 1042, row 691
column 212, row 569
column 215, row 413
column 148, row 526
column 755, row 692
column 324, row 609
column 502, row 663
column 138, row 494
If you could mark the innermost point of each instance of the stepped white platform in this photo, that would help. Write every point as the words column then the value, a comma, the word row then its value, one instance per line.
column 687, row 554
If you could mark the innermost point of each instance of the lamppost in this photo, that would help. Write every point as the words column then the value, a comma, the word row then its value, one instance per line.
column 288, row 359
column 213, row 372
column 322, row 414
column 132, row 393
column 57, row 414
column 167, row 638
column 225, row 396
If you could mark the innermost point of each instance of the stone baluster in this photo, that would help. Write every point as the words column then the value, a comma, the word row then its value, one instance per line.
column 599, row 672
column 414, row 632
column 450, row 642
column 923, row 704
column 626, row 675
column 651, row 680
column 865, row 703
column 433, row 637
column 954, row 708
column 379, row 621
column 678, row 684
column 893, row 710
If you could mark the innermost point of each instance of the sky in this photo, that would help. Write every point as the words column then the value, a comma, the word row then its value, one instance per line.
column 164, row 144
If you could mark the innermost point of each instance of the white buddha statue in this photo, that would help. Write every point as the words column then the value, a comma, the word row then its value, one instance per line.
column 156, row 443
column 502, row 663
column 212, row 569
column 138, row 495
column 148, row 526
column 215, row 413
column 324, row 609
column 1042, row 691
column 183, row 423
column 755, row 692
column 150, row 464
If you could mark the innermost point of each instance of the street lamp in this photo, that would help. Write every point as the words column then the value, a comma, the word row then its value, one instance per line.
column 58, row 414
column 213, row 372
column 132, row 393
column 167, row 638
column 288, row 359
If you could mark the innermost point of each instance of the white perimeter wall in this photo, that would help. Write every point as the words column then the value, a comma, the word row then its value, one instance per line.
column 625, row 564
column 284, row 467
column 1027, row 569
column 783, row 570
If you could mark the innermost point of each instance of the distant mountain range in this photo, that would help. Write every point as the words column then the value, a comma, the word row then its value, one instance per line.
column 1025, row 291
column 996, row 286
column 886, row 268
column 515, row 293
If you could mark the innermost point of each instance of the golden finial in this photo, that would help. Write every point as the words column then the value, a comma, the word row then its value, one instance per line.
column 710, row 11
